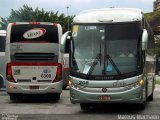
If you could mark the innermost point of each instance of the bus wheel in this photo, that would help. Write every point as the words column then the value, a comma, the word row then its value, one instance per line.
column 84, row 106
column 55, row 96
column 150, row 98
column 1, row 82
column 142, row 106
column 64, row 87
column 13, row 97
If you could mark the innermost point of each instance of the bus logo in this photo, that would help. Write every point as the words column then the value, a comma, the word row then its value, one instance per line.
column 34, row 33
column 104, row 90
column 46, row 71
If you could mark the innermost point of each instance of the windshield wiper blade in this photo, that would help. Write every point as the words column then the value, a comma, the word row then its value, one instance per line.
column 114, row 65
column 98, row 58
column 94, row 64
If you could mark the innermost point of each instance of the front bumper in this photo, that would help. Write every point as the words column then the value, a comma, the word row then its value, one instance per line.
column 25, row 88
column 135, row 95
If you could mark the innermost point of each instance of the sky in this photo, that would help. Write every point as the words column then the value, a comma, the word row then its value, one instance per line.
column 75, row 6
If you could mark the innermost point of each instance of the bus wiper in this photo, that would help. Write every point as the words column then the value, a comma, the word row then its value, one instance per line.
column 114, row 65
column 94, row 64
column 98, row 58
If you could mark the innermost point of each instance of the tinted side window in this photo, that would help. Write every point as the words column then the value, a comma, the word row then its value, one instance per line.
column 2, row 43
column 67, row 46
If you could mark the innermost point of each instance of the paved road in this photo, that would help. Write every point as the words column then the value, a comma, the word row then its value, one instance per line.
column 41, row 109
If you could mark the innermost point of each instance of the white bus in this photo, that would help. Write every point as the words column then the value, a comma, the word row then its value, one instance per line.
column 2, row 57
column 33, row 59
column 99, row 72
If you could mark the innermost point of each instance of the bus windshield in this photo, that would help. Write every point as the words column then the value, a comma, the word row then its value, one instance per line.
column 105, row 50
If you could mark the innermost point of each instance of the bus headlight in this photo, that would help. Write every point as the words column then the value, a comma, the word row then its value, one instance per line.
column 136, row 84
column 75, row 85
column 133, row 85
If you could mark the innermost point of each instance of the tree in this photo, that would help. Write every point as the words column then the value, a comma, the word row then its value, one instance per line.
column 27, row 14
column 153, row 18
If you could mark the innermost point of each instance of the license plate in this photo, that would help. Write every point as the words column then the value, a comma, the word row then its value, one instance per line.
column 104, row 97
column 34, row 87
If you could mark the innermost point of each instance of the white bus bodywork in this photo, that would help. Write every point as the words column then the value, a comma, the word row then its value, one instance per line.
column 33, row 59
column 97, row 73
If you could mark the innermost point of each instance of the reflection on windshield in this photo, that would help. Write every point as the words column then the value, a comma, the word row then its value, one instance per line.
column 118, row 41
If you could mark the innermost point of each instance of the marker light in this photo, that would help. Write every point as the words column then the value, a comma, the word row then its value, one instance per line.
column 70, row 82
column 34, row 23
column 9, row 75
column 59, row 72
column 14, row 24
column 141, row 82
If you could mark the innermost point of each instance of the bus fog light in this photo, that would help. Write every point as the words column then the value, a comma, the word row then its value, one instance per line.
column 73, row 95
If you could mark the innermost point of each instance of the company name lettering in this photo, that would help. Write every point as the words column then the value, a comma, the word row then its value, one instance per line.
column 34, row 33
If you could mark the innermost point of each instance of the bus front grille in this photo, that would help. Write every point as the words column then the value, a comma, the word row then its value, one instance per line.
column 34, row 56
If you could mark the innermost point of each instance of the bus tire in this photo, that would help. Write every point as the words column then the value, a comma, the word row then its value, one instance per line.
column 19, row 96
column 57, row 96
column 150, row 98
column 13, row 97
column 1, row 82
column 142, row 105
column 64, row 87
column 84, row 106
column 54, row 96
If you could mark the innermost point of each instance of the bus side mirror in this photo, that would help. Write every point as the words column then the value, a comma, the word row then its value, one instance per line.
column 64, row 39
column 144, row 39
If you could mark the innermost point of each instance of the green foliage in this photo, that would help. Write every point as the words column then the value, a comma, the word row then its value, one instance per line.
column 153, row 15
column 28, row 14
column 158, row 82
column 157, row 48
column 153, row 18
column 3, row 23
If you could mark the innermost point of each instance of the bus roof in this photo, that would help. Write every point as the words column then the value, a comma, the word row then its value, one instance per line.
column 109, row 15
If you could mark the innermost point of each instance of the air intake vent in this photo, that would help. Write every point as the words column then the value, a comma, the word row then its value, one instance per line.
column 34, row 56
column 46, row 81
